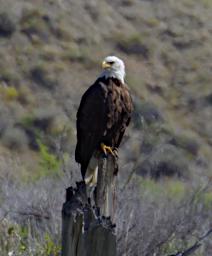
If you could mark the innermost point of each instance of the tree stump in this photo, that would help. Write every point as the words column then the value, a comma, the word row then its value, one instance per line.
column 88, row 230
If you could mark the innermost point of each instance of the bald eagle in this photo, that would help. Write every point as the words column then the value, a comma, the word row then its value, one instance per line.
column 103, row 115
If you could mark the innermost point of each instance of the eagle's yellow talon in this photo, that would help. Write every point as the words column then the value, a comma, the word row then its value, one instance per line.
column 107, row 149
column 103, row 148
column 110, row 150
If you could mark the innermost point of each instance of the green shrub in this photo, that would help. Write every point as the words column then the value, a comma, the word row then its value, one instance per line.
column 173, row 189
column 50, row 248
column 186, row 142
column 14, row 138
column 21, row 240
column 133, row 44
column 49, row 163
column 42, row 76
column 9, row 76
column 25, row 96
column 164, row 161
column 34, row 22
column 207, row 199
column 50, row 52
column 7, row 26
column 9, row 93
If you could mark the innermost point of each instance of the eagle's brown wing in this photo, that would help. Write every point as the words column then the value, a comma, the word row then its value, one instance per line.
column 119, row 110
column 91, row 123
column 127, row 108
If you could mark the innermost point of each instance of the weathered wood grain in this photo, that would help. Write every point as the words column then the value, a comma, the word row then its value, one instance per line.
column 84, row 231
column 106, row 186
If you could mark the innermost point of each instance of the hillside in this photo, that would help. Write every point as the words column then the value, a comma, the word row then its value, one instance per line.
column 51, row 51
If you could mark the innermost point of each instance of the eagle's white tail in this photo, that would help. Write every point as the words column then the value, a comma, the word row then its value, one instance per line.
column 91, row 174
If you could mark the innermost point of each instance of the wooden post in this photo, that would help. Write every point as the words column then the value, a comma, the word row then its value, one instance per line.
column 84, row 231
column 106, row 186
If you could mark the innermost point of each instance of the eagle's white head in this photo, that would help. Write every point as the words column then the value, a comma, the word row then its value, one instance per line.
column 113, row 67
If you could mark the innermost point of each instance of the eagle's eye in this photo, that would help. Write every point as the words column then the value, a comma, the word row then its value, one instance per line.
column 110, row 62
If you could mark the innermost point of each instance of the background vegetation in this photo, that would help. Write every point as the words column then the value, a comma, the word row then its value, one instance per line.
column 50, row 52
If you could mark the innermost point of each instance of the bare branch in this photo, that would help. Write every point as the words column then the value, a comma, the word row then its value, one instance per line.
column 194, row 247
column 35, row 214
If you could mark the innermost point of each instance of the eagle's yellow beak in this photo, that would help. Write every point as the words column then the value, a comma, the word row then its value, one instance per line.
column 105, row 65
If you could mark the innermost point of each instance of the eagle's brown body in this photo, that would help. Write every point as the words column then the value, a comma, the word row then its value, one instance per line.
column 102, row 117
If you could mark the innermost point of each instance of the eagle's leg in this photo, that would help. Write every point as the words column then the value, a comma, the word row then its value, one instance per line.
column 107, row 149
column 115, row 152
